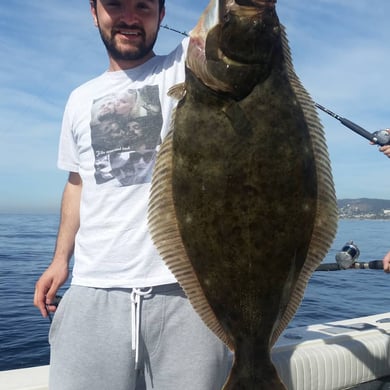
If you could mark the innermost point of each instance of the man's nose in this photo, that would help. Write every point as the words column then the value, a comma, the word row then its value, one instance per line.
column 129, row 14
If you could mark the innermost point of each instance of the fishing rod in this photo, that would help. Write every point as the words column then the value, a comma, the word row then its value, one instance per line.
column 373, row 264
column 174, row 30
column 380, row 137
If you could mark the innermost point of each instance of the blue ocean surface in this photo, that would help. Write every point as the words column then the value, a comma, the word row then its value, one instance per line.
column 26, row 247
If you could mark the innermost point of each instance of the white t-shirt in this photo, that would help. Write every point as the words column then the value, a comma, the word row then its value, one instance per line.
column 112, row 128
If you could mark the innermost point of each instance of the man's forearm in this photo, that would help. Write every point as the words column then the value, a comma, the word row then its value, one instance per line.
column 70, row 219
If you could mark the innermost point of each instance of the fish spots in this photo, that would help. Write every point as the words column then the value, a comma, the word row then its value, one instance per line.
column 207, row 282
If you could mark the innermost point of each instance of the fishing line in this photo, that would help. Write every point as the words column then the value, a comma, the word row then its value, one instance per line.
column 174, row 30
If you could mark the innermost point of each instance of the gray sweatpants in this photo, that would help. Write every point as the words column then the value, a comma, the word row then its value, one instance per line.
column 92, row 347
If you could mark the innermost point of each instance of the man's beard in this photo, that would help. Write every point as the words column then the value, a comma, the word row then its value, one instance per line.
column 132, row 54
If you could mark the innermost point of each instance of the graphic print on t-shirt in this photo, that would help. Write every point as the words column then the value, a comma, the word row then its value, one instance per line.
column 125, row 132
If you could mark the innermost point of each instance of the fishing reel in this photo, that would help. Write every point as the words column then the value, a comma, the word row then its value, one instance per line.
column 381, row 137
column 348, row 255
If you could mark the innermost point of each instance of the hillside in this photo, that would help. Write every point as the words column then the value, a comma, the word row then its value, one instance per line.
column 364, row 208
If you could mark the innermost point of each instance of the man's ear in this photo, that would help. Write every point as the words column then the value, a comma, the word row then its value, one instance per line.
column 162, row 14
column 93, row 12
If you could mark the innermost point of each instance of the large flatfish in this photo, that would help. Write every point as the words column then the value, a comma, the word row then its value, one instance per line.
column 242, row 206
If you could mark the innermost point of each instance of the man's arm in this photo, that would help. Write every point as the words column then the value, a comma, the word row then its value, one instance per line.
column 57, row 272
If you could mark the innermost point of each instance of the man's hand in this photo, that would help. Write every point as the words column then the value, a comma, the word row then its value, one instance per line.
column 47, row 286
column 385, row 150
column 386, row 263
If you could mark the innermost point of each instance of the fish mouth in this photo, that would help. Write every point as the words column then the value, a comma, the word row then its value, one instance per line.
column 249, row 8
column 233, row 48
column 258, row 23
column 256, row 3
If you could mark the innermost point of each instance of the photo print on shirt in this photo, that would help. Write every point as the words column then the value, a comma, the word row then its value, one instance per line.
column 125, row 133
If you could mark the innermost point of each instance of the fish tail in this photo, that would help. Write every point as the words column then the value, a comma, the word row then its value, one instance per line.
column 262, row 377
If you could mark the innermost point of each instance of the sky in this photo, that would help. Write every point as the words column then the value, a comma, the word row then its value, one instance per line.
column 49, row 47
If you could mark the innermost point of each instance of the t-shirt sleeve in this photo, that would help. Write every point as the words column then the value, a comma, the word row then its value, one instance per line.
column 68, row 157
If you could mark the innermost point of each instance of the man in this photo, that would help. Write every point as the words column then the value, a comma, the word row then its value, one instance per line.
column 124, row 323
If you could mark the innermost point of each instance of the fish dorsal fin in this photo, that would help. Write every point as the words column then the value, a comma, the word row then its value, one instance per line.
column 326, row 216
column 165, row 233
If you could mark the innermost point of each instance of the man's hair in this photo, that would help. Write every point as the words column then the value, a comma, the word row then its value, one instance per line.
column 162, row 3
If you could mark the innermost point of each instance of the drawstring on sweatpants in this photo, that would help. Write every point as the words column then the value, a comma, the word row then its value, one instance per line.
column 136, row 295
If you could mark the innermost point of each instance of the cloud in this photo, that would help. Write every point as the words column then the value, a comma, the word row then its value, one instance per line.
column 340, row 51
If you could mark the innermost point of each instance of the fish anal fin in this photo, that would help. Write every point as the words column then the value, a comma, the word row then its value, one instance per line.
column 165, row 233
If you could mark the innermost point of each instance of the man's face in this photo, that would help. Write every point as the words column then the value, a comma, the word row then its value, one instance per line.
column 128, row 29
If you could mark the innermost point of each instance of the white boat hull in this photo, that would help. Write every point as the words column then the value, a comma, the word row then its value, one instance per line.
column 331, row 356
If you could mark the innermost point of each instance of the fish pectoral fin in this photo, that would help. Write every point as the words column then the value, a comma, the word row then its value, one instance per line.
column 178, row 91
column 238, row 119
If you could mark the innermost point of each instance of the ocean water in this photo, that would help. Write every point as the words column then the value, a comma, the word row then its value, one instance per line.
column 26, row 247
